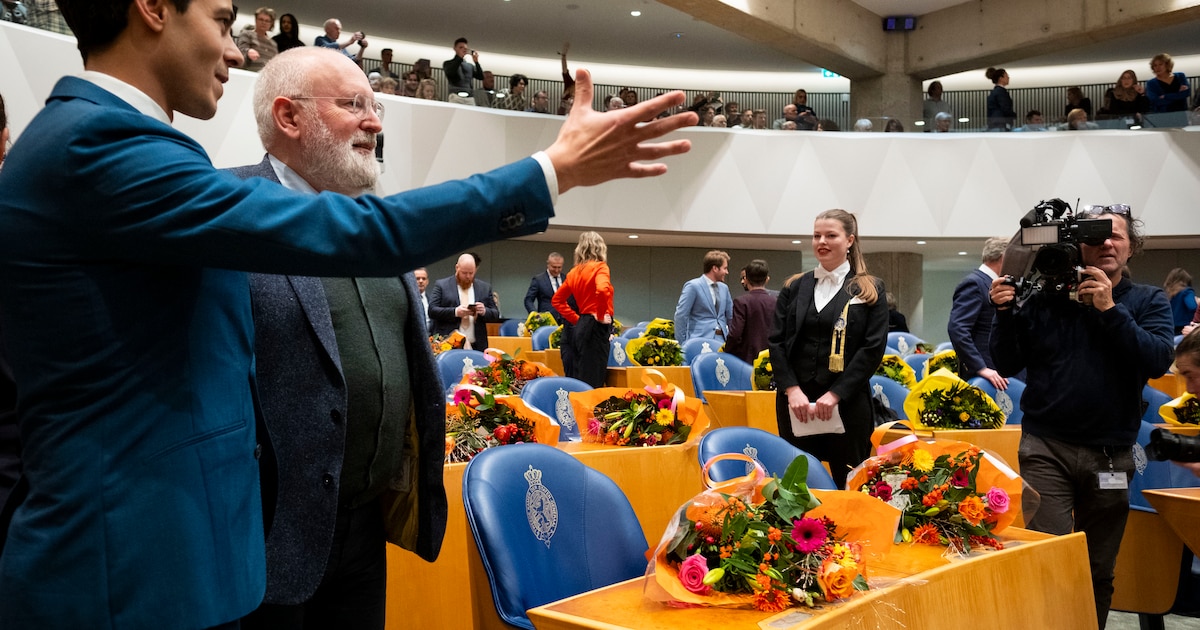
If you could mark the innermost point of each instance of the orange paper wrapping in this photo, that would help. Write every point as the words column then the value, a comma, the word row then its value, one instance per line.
column 545, row 431
column 993, row 472
column 690, row 411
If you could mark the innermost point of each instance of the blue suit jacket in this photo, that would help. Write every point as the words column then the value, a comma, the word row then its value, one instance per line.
column 970, row 325
column 301, row 386
column 540, row 292
column 130, row 338
column 695, row 315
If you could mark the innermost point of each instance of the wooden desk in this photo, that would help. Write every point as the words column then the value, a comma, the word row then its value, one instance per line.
column 678, row 375
column 434, row 596
column 1002, row 442
column 511, row 344
column 1172, row 385
column 743, row 409
column 1180, row 508
column 1038, row 581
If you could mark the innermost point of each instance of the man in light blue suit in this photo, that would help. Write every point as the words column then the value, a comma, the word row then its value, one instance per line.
column 705, row 305
column 127, row 311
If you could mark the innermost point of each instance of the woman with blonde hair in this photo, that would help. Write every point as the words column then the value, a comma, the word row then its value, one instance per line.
column 427, row 89
column 1178, row 287
column 829, row 335
column 589, row 324
column 1168, row 90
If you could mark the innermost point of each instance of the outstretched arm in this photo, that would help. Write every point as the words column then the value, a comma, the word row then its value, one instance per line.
column 595, row 147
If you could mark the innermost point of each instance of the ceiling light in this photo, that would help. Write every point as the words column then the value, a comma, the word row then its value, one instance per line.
column 920, row 242
column 962, row 253
column 633, row 236
column 797, row 242
column 635, row 13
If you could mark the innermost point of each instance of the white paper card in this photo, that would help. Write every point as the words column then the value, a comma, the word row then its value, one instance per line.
column 817, row 427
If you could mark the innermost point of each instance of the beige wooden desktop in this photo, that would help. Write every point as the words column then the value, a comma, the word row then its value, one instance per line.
column 678, row 375
column 1180, row 508
column 510, row 345
column 743, row 409
column 1038, row 581
column 453, row 592
column 550, row 357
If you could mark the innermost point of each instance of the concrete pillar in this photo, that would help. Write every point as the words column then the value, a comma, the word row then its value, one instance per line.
column 895, row 94
column 903, row 276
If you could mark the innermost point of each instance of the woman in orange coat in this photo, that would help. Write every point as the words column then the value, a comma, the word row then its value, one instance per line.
column 588, row 329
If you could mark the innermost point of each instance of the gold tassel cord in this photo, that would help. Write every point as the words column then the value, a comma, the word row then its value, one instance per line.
column 837, row 344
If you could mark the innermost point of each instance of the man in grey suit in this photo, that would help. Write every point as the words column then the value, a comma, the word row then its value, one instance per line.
column 464, row 303
column 346, row 457
column 705, row 307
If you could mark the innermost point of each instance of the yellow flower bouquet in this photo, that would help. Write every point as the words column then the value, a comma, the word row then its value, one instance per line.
column 1184, row 410
column 764, row 376
column 654, row 351
column 536, row 320
column 659, row 327
column 555, row 340
column 895, row 368
column 945, row 401
column 944, row 360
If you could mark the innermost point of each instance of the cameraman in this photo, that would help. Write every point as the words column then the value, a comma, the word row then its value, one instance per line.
column 1087, row 363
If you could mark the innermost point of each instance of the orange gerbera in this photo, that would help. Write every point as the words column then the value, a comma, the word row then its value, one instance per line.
column 772, row 600
column 926, row 534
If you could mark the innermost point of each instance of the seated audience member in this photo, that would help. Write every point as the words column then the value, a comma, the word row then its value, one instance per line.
column 1076, row 100
column 1034, row 121
column 629, row 97
column 1168, row 90
column 1178, row 287
column 1187, row 365
column 806, row 118
column 896, row 320
column 385, row 64
column 411, row 81
column 289, row 33
column 789, row 126
column 423, row 68
column 790, row 113
column 428, row 90
column 718, row 121
column 1125, row 99
column 1077, row 120
column 745, row 120
column 706, row 116
column 893, row 125
column 389, row 86
column 934, row 105
column 540, row 104
column 44, row 14
column 255, row 45
column 760, row 119
column 333, row 30
column 614, row 103
column 733, row 112
column 863, row 124
column 942, row 122
column 485, row 95
column 828, row 124
column 374, row 80
column 514, row 99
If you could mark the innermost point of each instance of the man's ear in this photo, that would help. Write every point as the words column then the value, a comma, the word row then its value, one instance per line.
column 286, row 112
column 152, row 13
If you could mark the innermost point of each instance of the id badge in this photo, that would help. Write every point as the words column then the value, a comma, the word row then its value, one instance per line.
column 1114, row 481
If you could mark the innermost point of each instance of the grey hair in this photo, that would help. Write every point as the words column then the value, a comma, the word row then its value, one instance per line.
column 993, row 249
column 285, row 75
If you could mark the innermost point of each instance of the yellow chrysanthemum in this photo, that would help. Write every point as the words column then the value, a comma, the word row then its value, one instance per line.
column 922, row 460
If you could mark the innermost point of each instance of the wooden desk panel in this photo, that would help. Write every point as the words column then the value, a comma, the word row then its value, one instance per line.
column 1180, row 507
column 434, row 596
column 677, row 375
column 743, row 409
column 1002, row 442
column 1038, row 581
column 511, row 344
column 1172, row 385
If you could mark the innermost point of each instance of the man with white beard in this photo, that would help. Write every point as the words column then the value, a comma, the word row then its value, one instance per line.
column 346, row 379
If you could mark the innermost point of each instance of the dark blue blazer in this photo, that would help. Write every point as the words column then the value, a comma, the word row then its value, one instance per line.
column 128, row 324
column 443, row 299
column 970, row 325
column 302, row 392
column 540, row 292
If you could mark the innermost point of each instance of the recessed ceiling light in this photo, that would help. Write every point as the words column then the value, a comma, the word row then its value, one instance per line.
column 797, row 242
column 633, row 236
column 635, row 13
column 962, row 253
column 920, row 242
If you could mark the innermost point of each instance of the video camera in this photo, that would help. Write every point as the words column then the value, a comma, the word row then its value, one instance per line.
column 1165, row 445
column 1044, row 255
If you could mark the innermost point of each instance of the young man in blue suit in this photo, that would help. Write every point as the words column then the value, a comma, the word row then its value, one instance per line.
column 705, row 305
column 128, row 322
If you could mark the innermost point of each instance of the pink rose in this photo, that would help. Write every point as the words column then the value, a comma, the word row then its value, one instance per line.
column 997, row 500
column 692, row 572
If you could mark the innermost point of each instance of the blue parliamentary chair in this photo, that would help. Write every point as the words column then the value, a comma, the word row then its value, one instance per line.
column 509, row 327
column 697, row 346
column 774, row 453
column 632, row 331
column 454, row 364
column 917, row 363
column 541, row 337
column 890, row 393
column 617, row 357
column 550, row 395
column 1008, row 400
column 906, row 343
column 720, row 371
column 944, row 346
column 547, row 527
column 1153, row 399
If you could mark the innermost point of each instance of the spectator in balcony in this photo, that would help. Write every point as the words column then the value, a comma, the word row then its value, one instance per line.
column 411, row 81
column 255, row 45
column 289, row 33
column 893, row 125
column 790, row 113
column 733, row 112
column 423, row 69
column 863, row 124
column 806, row 118
column 14, row 11
column 629, row 96
column 718, row 121
column 1076, row 100
column 333, row 30
column 568, row 81
column 1034, row 121
column 485, row 95
column 428, row 90
column 614, row 103
column 1168, row 90
column 389, row 86
column 540, row 103
column 707, row 113
column 746, row 120
column 374, row 79
column 44, row 14
column 1077, row 120
column 515, row 99
column 942, row 122
column 461, row 72
column 1000, row 113
column 1125, row 99
column 565, row 104
column 934, row 105
column 385, row 64
column 760, row 119
column 827, row 124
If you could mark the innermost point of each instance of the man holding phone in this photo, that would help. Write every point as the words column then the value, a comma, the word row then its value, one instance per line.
column 463, row 303
column 461, row 72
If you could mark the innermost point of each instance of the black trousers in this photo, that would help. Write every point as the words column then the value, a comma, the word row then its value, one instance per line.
column 590, row 341
column 353, row 593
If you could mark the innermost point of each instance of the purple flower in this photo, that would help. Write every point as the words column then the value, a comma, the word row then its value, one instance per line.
column 809, row 534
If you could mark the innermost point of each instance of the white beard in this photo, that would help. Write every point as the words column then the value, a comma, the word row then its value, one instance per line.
column 334, row 165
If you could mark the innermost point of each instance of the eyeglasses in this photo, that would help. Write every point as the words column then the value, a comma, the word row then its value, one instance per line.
column 1116, row 208
column 357, row 104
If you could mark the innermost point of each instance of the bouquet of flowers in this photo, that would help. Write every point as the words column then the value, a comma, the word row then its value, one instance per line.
column 555, row 340
column 895, row 368
column 536, row 320
column 947, row 494
column 944, row 360
column 657, row 414
column 769, row 545
column 924, row 348
column 654, row 351
column 1182, row 410
column 945, row 401
column 442, row 343
column 764, row 377
column 659, row 327
column 505, row 374
column 617, row 327
column 477, row 420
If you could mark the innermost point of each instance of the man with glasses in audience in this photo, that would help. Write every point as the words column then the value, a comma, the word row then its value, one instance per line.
column 1087, row 361
column 127, row 313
